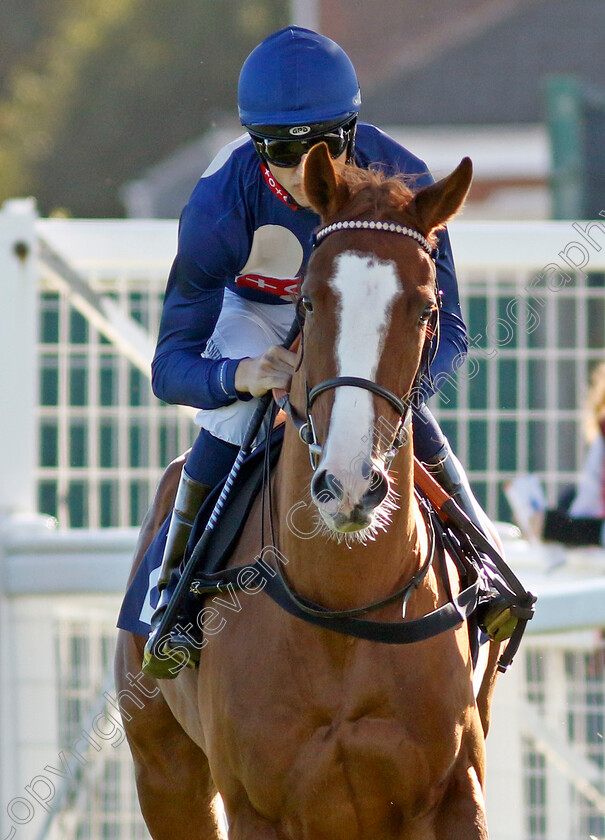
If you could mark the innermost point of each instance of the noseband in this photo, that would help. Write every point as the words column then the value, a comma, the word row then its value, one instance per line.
column 402, row 405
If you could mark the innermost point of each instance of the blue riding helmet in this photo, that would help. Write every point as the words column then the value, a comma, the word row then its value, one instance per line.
column 297, row 77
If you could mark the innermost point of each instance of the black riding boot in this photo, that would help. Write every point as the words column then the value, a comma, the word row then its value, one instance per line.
column 164, row 661
column 495, row 617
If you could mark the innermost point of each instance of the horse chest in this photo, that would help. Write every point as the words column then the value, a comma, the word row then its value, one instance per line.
column 361, row 778
column 346, row 742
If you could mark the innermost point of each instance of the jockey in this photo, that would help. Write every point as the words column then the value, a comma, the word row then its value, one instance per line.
column 244, row 240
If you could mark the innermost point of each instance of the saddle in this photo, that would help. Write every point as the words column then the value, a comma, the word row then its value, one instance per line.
column 245, row 489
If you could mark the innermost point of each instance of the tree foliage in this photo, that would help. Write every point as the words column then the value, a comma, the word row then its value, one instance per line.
column 101, row 89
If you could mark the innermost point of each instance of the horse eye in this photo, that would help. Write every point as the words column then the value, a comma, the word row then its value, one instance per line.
column 426, row 314
column 307, row 304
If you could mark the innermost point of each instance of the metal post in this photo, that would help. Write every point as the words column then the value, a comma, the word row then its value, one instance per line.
column 18, row 357
column 566, row 130
column 18, row 378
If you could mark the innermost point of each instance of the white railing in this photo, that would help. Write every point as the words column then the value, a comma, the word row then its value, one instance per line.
column 106, row 438
column 536, row 329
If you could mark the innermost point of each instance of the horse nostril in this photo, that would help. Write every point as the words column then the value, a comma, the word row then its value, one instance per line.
column 334, row 486
column 379, row 487
column 318, row 484
column 326, row 487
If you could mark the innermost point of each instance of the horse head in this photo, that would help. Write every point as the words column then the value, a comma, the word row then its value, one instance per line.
column 371, row 301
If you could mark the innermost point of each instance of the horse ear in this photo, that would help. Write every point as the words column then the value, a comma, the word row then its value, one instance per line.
column 436, row 204
column 326, row 192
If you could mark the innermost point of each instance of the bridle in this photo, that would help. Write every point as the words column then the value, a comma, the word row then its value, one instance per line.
column 402, row 405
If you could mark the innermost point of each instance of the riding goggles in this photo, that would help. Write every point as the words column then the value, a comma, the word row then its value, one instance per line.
column 287, row 153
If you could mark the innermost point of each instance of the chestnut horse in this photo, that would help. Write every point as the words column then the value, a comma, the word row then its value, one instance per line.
column 307, row 733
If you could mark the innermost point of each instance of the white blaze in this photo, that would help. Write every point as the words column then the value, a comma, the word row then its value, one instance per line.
column 365, row 290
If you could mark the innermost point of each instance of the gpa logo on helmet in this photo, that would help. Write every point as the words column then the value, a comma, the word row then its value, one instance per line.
column 299, row 130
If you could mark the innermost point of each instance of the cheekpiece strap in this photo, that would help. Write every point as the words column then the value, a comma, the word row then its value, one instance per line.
column 365, row 224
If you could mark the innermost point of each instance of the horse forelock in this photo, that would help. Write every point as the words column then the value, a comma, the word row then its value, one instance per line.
column 376, row 196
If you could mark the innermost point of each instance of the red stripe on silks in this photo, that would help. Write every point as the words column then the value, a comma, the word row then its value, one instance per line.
column 271, row 285
column 277, row 189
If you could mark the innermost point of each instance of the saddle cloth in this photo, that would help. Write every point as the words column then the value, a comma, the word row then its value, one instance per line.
column 142, row 595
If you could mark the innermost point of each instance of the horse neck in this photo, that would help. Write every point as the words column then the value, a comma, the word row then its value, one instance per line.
column 339, row 575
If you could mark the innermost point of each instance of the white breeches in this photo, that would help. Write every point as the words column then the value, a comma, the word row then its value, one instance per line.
column 244, row 328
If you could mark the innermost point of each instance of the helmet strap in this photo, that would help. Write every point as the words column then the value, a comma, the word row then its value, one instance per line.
column 351, row 145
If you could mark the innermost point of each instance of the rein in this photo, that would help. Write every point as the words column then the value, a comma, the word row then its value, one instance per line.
column 309, row 608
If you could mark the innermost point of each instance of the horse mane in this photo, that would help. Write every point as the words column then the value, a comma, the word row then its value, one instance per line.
column 379, row 197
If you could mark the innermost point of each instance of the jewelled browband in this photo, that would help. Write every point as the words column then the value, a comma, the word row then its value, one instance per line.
column 391, row 227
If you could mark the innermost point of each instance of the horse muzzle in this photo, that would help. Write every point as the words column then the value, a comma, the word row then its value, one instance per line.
column 348, row 503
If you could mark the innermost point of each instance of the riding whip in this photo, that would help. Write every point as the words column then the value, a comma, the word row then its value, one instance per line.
column 188, row 574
